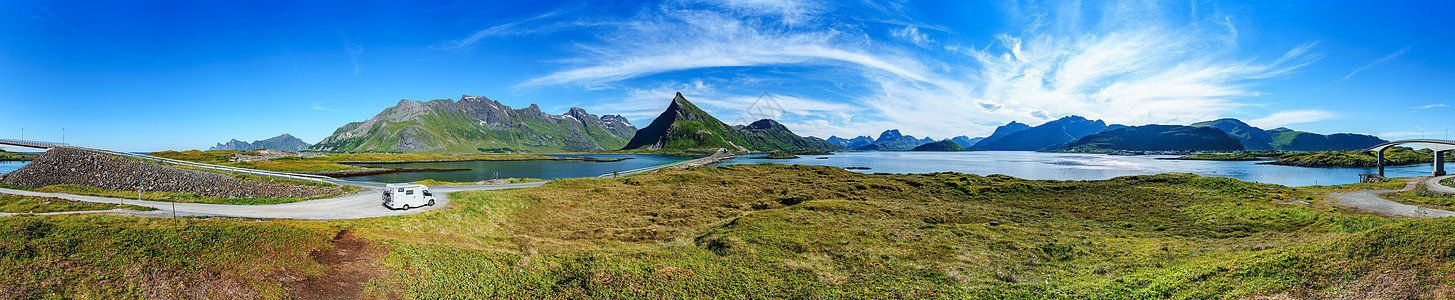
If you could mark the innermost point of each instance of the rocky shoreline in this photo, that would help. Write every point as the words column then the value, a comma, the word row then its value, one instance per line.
column 1344, row 165
column 77, row 167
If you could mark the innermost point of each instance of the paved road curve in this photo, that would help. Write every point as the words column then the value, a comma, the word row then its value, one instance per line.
column 364, row 204
column 1434, row 184
column 1370, row 201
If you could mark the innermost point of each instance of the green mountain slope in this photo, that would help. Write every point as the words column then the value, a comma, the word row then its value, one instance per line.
column 1252, row 138
column 684, row 126
column 1292, row 140
column 1157, row 138
column 477, row 124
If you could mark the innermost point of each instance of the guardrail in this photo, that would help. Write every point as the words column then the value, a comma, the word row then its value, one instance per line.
column 720, row 151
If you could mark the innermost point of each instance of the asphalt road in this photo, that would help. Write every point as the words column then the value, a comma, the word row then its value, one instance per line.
column 1434, row 184
column 364, row 204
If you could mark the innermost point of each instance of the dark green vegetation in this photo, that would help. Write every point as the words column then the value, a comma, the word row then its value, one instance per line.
column 13, row 156
column 819, row 232
column 1396, row 156
column 808, row 152
column 477, row 124
column 1222, row 157
column 173, row 197
column 684, row 126
column 1052, row 135
column 285, row 142
column 1157, row 138
column 27, row 204
column 780, row 155
column 945, row 145
column 112, row 257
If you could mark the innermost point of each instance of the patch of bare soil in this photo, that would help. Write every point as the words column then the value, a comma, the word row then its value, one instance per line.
column 349, row 265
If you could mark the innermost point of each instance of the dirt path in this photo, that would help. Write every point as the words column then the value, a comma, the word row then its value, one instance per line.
column 1370, row 201
column 350, row 264
column 364, row 204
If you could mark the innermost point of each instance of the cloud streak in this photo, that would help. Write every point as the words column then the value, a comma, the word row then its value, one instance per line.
column 1376, row 62
column 1132, row 66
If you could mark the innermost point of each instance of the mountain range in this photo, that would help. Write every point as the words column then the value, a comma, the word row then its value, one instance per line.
column 893, row 140
column 478, row 124
column 285, row 142
column 1052, row 135
column 1081, row 134
column 684, row 126
column 1157, row 138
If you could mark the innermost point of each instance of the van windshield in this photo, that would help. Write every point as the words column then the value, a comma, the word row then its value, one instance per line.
column 426, row 193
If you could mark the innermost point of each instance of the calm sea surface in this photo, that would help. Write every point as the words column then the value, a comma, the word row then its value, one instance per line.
column 1028, row 165
column 1067, row 166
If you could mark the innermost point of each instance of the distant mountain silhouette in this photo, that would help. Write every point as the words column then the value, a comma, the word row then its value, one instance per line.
column 966, row 142
column 1001, row 132
column 1157, row 138
column 285, row 142
column 1049, row 136
column 893, row 140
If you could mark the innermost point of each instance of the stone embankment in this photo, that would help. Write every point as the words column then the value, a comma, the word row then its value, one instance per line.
column 70, row 166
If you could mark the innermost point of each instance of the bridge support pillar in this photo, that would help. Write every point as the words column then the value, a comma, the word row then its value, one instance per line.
column 1439, row 163
column 1381, row 163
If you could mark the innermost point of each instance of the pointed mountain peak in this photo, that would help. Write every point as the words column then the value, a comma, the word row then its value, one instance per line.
column 889, row 135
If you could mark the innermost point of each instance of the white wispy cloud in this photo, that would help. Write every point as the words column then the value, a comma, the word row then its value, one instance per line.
column 1282, row 118
column 1432, row 106
column 1381, row 60
column 351, row 50
column 513, row 28
column 1130, row 65
column 319, row 106
column 911, row 34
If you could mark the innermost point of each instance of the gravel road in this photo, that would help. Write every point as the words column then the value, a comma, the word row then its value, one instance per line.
column 1369, row 201
column 364, row 204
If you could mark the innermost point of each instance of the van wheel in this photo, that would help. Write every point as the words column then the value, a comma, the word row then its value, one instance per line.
column 431, row 202
column 406, row 207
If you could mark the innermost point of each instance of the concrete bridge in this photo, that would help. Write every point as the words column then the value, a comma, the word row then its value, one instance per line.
column 1441, row 147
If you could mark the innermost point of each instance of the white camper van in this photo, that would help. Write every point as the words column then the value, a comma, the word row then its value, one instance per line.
column 406, row 196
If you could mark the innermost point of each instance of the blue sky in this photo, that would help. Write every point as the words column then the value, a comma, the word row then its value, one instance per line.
column 155, row 75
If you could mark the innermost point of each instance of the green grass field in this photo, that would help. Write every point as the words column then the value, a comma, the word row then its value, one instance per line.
column 26, row 204
column 776, row 231
column 172, row 197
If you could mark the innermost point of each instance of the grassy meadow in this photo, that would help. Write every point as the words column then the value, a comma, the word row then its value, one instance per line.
column 27, row 204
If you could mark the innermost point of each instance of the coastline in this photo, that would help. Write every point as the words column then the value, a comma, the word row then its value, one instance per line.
column 585, row 159
column 379, row 171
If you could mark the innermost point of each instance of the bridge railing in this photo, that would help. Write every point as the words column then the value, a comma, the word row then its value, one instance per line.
column 32, row 143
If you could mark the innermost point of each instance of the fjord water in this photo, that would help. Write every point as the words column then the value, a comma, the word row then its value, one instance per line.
column 1028, row 165
column 541, row 169
column 11, row 166
column 1072, row 166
